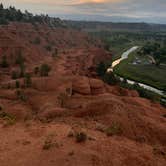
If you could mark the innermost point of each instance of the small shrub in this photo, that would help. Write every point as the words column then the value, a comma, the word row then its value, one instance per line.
column 15, row 75
column 27, row 80
column 110, row 78
column 101, row 69
column 21, row 95
column 22, row 70
column 81, row 137
column 157, row 150
column 17, row 84
column 37, row 40
column 4, row 63
column 48, row 48
column 10, row 120
column 115, row 129
column 55, row 53
column 49, row 143
column 36, row 70
column 71, row 134
column 44, row 70
column 19, row 59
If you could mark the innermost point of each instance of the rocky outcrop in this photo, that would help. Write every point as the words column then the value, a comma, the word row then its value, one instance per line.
column 87, row 86
column 90, row 86
column 81, row 85
column 97, row 86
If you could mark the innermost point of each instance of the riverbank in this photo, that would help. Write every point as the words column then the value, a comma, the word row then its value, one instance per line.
column 144, row 73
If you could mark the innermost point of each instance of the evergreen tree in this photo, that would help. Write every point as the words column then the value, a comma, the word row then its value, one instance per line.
column 19, row 58
column 22, row 70
column 44, row 70
column 36, row 70
column 27, row 80
column 1, row 6
column 101, row 69
column 14, row 75
column 17, row 84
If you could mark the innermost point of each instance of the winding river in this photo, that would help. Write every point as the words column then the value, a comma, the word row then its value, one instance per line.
column 125, row 56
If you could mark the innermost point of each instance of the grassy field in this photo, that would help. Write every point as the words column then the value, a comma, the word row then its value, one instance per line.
column 147, row 74
column 120, row 42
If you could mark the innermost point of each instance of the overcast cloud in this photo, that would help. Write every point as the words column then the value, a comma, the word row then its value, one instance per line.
column 101, row 10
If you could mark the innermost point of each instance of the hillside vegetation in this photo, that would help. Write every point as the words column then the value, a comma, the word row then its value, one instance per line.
column 95, row 26
column 12, row 14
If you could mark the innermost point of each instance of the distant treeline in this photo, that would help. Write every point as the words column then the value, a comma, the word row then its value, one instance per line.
column 12, row 14
column 110, row 26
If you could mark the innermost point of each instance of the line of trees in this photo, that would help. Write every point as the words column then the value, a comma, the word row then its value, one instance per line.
column 12, row 14
column 156, row 51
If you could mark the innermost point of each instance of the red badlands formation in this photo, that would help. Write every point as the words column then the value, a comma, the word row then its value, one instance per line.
column 119, row 128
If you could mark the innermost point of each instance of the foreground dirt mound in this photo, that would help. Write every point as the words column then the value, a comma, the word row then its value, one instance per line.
column 136, row 122
column 43, row 124
column 49, row 144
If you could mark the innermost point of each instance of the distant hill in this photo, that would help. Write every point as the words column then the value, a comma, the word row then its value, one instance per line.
column 11, row 14
column 110, row 26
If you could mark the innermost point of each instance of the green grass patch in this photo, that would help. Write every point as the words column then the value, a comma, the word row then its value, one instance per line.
column 147, row 74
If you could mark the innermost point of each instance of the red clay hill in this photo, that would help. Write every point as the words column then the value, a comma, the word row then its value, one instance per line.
column 70, row 118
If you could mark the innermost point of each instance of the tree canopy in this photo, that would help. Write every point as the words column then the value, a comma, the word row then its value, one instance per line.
column 157, row 51
column 12, row 14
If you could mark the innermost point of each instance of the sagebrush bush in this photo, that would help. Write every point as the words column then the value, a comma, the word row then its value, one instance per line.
column 114, row 129
column 36, row 70
column 14, row 75
column 37, row 40
column 4, row 63
column 44, row 70
column 10, row 120
column 17, row 84
column 48, row 48
column 81, row 137
column 27, row 80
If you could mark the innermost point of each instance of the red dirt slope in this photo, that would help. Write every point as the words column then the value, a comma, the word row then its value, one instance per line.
column 42, row 125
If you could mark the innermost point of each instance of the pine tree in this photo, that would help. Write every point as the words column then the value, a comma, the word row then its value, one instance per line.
column 44, row 70
column 17, row 84
column 22, row 70
column 27, row 80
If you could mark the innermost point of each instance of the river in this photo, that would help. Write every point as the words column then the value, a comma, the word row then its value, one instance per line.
column 125, row 56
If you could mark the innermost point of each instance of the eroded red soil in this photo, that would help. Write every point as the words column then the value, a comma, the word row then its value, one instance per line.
column 122, row 129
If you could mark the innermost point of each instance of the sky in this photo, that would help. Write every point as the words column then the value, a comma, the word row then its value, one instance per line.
column 153, row 11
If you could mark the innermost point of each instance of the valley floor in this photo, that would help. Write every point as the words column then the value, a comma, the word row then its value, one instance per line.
column 144, row 72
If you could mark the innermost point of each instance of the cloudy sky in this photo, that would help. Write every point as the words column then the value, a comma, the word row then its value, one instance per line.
column 102, row 10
